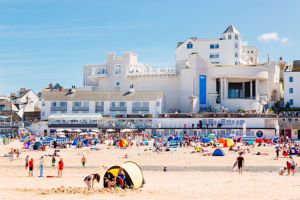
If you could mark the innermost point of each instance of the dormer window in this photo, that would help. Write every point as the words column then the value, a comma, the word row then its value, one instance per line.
column 189, row 45
column 236, row 37
column 229, row 36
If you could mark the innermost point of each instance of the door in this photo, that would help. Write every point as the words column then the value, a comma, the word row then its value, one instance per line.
column 288, row 133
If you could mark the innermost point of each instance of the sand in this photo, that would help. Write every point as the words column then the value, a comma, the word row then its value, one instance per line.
column 189, row 176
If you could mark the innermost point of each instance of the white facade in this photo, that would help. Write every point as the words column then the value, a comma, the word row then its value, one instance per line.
column 226, row 87
column 105, row 103
column 291, row 89
column 227, row 50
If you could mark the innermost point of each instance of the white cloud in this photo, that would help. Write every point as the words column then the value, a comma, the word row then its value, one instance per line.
column 273, row 37
column 284, row 41
column 268, row 37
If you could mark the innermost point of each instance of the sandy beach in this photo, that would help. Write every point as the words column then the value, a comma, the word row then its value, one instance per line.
column 189, row 176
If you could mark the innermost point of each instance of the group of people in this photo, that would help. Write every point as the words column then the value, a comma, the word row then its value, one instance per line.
column 29, row 165
column 110, row 181
column 290, row 167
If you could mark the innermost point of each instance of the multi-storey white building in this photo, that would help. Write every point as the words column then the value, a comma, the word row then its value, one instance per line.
column 231, row 79
column 227, row 50
column 198, row 81
column 292, row 86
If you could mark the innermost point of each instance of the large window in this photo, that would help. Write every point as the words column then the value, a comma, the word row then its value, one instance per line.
column 118, row 69
column 236, row 45
column 291, row 102
column 101, row 71
column 235, row 90
column 189, row 45
column 229, row 36
column 236, row 37
column 291, row 79
column 291, row 90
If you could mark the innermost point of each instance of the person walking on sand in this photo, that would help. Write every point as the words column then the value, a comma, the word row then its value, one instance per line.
column 293, row 165
column 83, row 161
column 26, row 162
column 53, row 162
column 60, row 168
column 42, row 166
column 240, row 163
column 90, row 179
column 30, row 165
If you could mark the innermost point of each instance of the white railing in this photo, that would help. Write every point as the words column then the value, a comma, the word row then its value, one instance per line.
column 152, row 71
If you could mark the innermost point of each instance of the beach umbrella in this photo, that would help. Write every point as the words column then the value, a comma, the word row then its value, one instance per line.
column 212, row 136
column 59, row 130
column 123, row 143
column 171, row 138
column 81, row 134
column 69, row 130
column 77, row 130
column 92, row 133
column 60, row 134
column 110, row 130
column 95, row 130
column 126, row 130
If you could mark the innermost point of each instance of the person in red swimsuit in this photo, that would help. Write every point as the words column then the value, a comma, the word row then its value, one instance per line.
column 30, row 165
column 60, row 167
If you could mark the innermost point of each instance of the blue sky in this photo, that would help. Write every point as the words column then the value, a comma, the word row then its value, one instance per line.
column 44, row 41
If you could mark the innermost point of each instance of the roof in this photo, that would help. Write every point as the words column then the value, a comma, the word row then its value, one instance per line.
column 75, row 116
column 231, row 29
column 100, row 96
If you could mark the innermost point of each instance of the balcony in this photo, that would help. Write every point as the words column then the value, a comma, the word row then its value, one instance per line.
column 118, row 108
column 140, row 108
column 58, row 108
column 80, row 108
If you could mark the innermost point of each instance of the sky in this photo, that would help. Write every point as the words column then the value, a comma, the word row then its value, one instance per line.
column 43, row 41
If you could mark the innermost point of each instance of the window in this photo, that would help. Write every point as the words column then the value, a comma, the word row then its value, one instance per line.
column 236, row 63
column 53, row 104
column 117, row 85
column 43, row 113
column 217, row 55
column 291, row 91
column 145, row 104
column 63, row 104
column 291, row 102
column 251, row 51
column 291, row 79
column 157, row 104
column 236, row 45
column 211, row 55
column 217, row 46
column 122, row 104
column 113, row 104
column 236, row 54
column 118, row 69
column 101, row 71
column 189, row 45
column 236, row 37
column 211, row 46
column 229, row 36
column 76, row 104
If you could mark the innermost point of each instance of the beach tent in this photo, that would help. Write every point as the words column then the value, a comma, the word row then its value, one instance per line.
column 228, row 143
column 221, row 140
column 123, row 143
column 218, row 152
column 134, row 177
column 293, row 151
column 37, row 145
column 171, row 138
column 206, row 140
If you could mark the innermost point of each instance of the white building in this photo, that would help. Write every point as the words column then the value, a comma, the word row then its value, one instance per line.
column 78, row 101
column 292, row 86
column 197, row 82
column 26, row 101
column 227, row 50
column 230, row 81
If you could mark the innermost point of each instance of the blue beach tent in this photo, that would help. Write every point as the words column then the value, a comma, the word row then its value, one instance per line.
column 218, row 152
